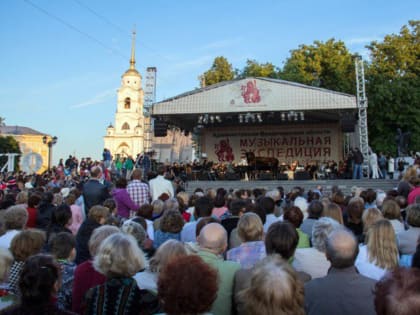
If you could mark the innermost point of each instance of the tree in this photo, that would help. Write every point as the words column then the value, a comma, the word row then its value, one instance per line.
column 255, row 69
column 2, row 123
column 393, row 88
column 220, row 71
column 9, row 145
column 328, row 65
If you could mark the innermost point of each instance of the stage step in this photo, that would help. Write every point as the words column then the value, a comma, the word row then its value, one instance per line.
column 344, row 184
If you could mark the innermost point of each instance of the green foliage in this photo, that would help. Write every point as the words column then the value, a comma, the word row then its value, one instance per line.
column 220, row 71
column 255, row 69
column 9, row 145
column 328, row 65
column 393, row 88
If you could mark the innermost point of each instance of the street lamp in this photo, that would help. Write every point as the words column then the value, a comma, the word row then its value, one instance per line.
column 50, row 144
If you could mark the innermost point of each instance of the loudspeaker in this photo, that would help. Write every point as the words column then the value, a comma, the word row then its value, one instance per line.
column 348, row 125
column 302, row 176
column 160, row 128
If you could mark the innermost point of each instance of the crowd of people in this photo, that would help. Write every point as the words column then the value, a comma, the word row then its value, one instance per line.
column 85, row 242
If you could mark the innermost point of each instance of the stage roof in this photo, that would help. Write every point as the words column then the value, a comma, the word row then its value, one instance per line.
column 254, row 95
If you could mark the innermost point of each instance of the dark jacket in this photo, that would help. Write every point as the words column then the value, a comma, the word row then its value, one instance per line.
column 82, row 239
column 43, row 218
column 94, row 193
column 358, row 157
column 341, row 291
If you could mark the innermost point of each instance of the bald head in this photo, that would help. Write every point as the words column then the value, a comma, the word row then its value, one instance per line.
column 213, row 237
column 341, row 248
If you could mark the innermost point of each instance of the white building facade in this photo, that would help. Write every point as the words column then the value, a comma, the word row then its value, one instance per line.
column 126, row 136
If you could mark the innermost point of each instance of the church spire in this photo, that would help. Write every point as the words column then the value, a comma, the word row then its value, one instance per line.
column 133, row 57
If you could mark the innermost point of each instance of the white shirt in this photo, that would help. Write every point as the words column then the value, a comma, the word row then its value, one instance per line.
column 6, row 238
column 160, row 185
column 311, row 261
column 367, row 268
column 270, row 219
column 397, row 225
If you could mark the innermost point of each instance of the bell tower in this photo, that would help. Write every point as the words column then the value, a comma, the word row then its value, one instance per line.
column 126, row 136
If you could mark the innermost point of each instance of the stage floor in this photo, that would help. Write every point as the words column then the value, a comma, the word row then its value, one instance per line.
column 344, row 184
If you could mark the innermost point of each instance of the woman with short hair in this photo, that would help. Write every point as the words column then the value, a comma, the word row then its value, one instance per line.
column 119, row 258
column 252, row 249
column 171, row 225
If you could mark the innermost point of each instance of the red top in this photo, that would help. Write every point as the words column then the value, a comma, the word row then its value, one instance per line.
column 31, row 217
column 85, row 277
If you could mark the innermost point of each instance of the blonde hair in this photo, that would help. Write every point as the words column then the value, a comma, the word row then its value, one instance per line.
column 274, row 289
column 98, row 212
column 166, row 252
column 391, row 210
column 118, row 256
column 98, row 235
column 250, row 227
column 382, row 245
column 369, row 217
column 333, row 211
column 22, row 198
column 410, row 172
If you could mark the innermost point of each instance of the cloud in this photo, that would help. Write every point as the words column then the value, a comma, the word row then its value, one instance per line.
column 97, row 99
column 361, row 40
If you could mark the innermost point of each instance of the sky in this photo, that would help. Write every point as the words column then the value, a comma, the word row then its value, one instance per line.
column 61, row 61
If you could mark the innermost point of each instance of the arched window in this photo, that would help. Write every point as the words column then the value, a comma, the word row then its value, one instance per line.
column 125, row 126
column 127, row 103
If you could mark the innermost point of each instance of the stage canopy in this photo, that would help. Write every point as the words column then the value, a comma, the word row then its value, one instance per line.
column 257, row 101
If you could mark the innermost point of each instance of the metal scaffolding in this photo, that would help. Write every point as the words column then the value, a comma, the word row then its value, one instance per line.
column 362, row 104
column 149, row 99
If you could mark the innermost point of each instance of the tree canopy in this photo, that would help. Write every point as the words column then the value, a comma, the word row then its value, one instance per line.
column 9, row 145
column 220, row 71
column 255, row 69
column 393, row 88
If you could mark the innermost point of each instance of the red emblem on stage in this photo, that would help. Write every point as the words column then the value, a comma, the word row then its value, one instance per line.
column 224, row 151
column 250, row 92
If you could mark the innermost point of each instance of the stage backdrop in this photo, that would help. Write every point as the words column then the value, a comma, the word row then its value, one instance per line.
column 303, row 143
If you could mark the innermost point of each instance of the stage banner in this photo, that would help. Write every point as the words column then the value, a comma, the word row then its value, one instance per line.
column 303, row 143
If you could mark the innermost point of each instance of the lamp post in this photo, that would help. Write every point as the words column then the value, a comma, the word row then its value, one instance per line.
column 49, row 143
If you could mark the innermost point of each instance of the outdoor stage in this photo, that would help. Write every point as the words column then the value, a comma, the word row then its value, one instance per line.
column 344, row 184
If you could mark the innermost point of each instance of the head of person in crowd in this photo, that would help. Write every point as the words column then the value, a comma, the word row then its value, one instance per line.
column 22, row 198
column 382, row 245
column 98, row 235
column 47, row 198
column 258, row 192
column 211, row 193
column 267, row 204
column 410, row 172
column 293, row 215
column 171, row 222
column 157, row 207
column 281, row 238
column 183, row 198
column 213, row 238
column 171, row 204
column 63, row 246
column 145, row 211
column 274, row 194
column 39, row 282
column 237, row 207
column 369, row 217
column 6, row 260
column 321, row 229
column 62, row 216
column 135, row 230
column 15, row 217
column 332, row 210
column 398, row 292
column 136, row 174
column 198, row 290
column 121, row 183
column 34, row 200
column 99, row 214
column 341, row 249
column 391, row 210
column 315, row 209
column 161, row 170
column 274, row 289
column 338, row 198
column 369, row 197
column 96, row 172
column 203, row 222
column 203, row 207
column 119, row 256
column 220, row 198
column 111, row 205
column 171, row 249
column 27, row 243
column 250, row 228
column 413, row 215
column 355, row 210
column 255, row 208
column 402, row 201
